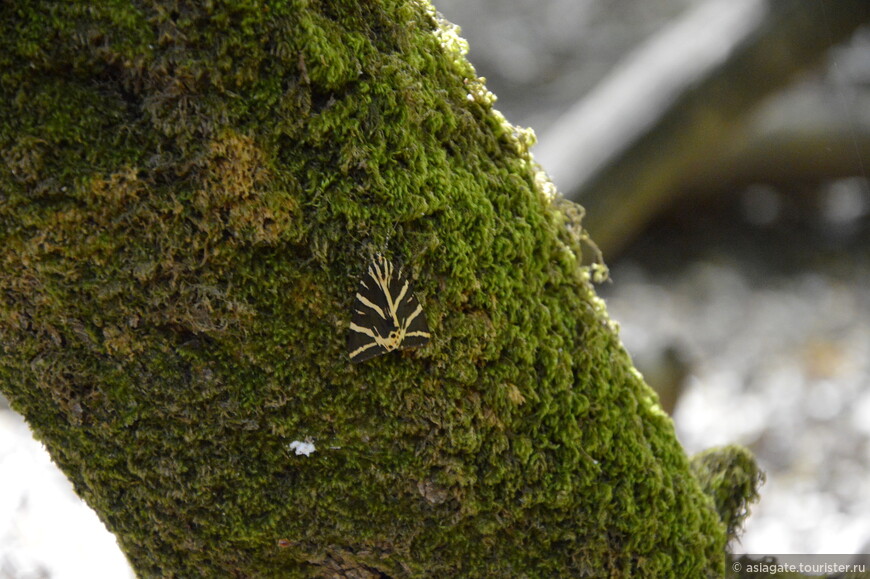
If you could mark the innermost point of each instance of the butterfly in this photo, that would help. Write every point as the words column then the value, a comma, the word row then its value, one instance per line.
column 386, row 314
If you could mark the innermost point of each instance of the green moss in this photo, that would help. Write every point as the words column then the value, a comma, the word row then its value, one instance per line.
column 732, row 478
column 188, row 195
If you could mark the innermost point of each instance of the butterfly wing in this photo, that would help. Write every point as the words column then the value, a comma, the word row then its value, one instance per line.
column 385, row 306
column 414, row 321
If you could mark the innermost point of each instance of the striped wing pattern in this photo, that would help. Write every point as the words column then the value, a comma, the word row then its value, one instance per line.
column 386, row 314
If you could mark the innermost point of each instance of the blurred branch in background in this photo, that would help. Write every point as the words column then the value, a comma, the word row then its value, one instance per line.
column 677, row 110
column 813, row 133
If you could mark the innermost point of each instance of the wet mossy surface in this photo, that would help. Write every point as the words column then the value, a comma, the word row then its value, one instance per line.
column 188, row 196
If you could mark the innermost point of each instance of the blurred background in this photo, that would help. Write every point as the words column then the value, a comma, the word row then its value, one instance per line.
column 721, row 149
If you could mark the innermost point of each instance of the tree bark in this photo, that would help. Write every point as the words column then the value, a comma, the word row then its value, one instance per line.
column 188, row 196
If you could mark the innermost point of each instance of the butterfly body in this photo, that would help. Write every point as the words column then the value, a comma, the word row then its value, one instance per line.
column 386, row 314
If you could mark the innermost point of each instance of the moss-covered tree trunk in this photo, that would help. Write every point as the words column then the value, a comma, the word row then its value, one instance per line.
column 189, row 193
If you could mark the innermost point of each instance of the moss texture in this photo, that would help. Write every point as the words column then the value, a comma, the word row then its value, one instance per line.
column 188, row 194
column 732, row 478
